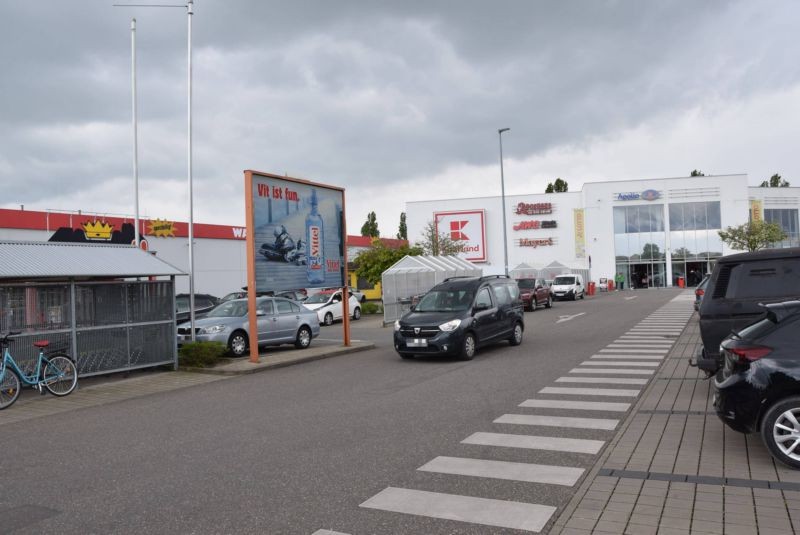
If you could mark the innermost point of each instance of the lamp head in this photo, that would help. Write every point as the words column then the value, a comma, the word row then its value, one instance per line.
column 503, row 130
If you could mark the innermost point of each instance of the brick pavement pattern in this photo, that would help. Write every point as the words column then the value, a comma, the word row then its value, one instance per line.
column 675, row 468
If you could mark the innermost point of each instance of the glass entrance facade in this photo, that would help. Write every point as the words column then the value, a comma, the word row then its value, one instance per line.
column 694, row 240
column 640, row 245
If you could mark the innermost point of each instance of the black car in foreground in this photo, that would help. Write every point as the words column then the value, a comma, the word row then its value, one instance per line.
column 459, row 315
column 758, row 387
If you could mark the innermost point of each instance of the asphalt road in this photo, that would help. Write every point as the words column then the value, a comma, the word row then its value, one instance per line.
column 298, row 449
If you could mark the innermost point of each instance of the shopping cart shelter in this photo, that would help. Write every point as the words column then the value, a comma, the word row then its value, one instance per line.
column 110, row 307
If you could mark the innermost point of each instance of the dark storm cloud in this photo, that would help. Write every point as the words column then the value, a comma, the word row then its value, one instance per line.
column 360, row 92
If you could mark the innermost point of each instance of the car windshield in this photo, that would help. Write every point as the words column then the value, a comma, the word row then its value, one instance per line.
column 756, row 330
column 228, row 309
column 231, row 296
column 526, row 283
column 317, row 299
column 445, row 301
column 564, row 280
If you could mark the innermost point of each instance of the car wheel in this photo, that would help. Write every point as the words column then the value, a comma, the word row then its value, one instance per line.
column 328, row 319
column 303, row 339
column 237, row 344
column 469, row 347
column 549, row 303
column 363, row 299
column 516, row 336
column 357, row 313
column 583, row 294
column 574, row 296
column 533, row 304
column 780, row 430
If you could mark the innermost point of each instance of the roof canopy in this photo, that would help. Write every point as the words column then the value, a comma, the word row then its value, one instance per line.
column 45, row 260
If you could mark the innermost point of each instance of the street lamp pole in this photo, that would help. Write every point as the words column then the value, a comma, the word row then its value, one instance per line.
column 135, row 137
column 503, row 197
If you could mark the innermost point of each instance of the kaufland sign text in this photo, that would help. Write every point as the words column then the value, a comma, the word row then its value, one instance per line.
column 467, row 227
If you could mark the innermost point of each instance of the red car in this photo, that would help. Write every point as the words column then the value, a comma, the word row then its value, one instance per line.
column 534, row 293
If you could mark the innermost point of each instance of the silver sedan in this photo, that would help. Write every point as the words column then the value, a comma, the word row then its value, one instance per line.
column 280, row 321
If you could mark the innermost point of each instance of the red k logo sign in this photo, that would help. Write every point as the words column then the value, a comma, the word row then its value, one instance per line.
column 455, row 230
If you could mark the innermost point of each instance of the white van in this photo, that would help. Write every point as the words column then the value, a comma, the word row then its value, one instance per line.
column 568, row 286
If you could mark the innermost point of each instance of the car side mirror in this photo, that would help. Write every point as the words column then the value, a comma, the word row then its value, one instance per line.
column 412, row 308
column 480, row 306
column 261, row 313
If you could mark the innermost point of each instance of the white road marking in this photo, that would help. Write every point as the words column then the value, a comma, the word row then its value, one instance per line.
column 328, row 532
column 631, row 297
column 579, row 405
column 568, row 318
column 590, row 391
column 640, row 337
column 602, row 380
column 531, row 442
column 631, row 357
column 558, row 421
column 638, row 345
column 612, row 371
column 527, row 472
column 618, row 363
column 498, row 513
column 634, row 350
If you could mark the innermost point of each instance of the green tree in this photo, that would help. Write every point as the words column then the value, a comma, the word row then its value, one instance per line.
column 371, row 264
column 651, row 251
column 402, row 231
column 370, row 227
column 697, row 172
column 775, row 181
column 559, row 186
column 438, row 243
column 752, row 236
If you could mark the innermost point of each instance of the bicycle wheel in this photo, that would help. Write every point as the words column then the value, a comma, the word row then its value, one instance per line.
column 60, row 375
column 9, row 388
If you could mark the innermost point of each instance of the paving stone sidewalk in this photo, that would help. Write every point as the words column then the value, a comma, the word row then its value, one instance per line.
column 675, row 468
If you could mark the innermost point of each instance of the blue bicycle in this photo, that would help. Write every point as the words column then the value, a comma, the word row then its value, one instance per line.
column 55, row 373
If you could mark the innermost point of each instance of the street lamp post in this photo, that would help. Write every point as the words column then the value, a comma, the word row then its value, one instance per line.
column 503, row 197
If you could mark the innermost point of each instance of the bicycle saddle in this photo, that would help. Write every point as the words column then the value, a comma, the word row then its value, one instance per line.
column 42, row 343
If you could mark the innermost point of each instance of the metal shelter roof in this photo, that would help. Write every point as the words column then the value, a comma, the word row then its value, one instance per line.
column 45, row 260
column 444, row 264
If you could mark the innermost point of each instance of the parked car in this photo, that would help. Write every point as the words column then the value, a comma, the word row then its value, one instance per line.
column 280, row 321
column 758, row 387
column 700, row 291
column 568, row 286
column 534, row 293
column 738, row 285
column 459, row 315
column 328, row 306
column 360, row 297
column 202, row 304
column 294, row 295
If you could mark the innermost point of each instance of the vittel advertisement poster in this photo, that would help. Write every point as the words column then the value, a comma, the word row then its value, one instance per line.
column 298, row 235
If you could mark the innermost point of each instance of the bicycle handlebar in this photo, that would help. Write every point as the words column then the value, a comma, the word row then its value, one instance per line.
column 4, row 338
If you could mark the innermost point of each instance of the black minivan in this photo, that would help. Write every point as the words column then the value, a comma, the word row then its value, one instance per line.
column 460, row 314
column 738, row 285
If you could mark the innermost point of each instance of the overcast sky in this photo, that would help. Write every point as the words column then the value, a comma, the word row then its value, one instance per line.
column 395, row 100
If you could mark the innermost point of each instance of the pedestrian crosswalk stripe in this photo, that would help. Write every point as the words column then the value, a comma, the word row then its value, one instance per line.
column 510, row 471
column 638, row 345
column 617, row 363
column 328, row 532
column 658, row 337
column 611, row 371
column 589, row 391
column 578, row 405
column 632, row 357
column 484, row 511
column 603, row 380
column 533, row 442
column 558, row 421
column 634, row 350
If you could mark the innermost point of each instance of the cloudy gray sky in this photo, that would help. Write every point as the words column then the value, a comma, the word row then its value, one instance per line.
column 396, row 101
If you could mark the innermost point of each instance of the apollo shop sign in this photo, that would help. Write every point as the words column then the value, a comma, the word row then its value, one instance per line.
column 646, row 195
column 467, row 227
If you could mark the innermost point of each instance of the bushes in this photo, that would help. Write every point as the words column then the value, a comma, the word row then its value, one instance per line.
column 200, row 354
column 371, row 308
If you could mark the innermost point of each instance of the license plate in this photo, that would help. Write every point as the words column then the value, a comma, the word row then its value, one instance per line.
column 417, row 342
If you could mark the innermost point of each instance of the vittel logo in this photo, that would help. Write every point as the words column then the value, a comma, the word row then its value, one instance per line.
column 315, row 245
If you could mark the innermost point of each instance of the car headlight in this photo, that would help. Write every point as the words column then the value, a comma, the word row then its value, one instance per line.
column 450, row 326
column 214, row 329
column 396, row 325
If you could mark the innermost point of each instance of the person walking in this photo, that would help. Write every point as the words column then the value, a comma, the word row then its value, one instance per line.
column 619, row 281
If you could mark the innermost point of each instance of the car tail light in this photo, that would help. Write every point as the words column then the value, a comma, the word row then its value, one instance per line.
column 699, row 292
column 750, row 353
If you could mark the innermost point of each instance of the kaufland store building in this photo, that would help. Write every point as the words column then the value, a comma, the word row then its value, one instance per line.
column 650, row 230
column 661, row 229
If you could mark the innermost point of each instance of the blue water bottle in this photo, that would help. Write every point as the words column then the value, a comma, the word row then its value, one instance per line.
column 315, row 238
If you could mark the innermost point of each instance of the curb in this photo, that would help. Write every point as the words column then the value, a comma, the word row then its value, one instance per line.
column 272, row 361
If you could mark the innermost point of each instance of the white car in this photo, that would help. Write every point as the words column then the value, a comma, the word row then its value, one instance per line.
column 328, row 306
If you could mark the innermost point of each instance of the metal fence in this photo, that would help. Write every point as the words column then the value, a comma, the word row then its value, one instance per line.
column 104, row 326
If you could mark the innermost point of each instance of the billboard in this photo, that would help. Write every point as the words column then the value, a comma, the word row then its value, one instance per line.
column 466, row 226
column 297, row 230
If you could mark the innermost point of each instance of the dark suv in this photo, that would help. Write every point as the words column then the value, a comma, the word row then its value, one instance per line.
column 460, row 314
column 738, row 285
column 534, row 293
